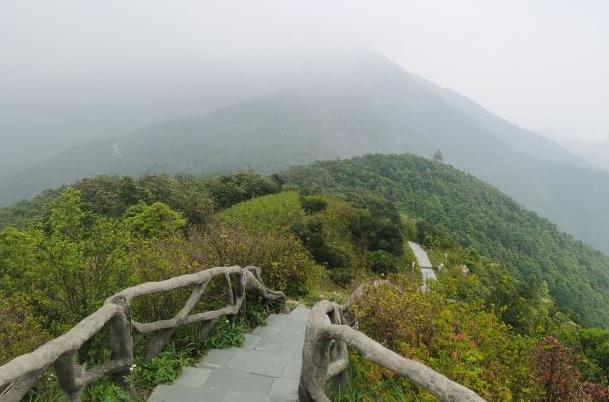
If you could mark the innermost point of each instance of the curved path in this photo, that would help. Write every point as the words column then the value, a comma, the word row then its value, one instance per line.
column 266, row 368
column 424, row 264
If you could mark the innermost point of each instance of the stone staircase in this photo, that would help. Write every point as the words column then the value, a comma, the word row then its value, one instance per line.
column 265, row 369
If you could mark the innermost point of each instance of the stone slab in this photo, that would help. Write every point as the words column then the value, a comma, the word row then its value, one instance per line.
column 217, row 357
column 192, row 377
column 233, row 396
column 239, row 381
column 286, row 321
column 265, row 331
column 258, row 362
column 286, row 387
column 174, row 393
column 251, row 341
column 292, row 370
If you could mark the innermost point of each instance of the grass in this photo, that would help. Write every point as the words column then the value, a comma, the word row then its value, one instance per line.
column 360, row 385
column 267, row 213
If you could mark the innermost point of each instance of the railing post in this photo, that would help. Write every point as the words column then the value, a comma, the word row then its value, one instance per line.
column 159, row 340
column 68, row 376
column 339, row 350
column 121, row 339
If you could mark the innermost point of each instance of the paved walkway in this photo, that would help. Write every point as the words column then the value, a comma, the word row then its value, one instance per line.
column 424, row 264
column 265, row 369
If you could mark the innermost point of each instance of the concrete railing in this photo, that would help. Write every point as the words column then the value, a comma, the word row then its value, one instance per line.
column 21, row 373
column 325, row 355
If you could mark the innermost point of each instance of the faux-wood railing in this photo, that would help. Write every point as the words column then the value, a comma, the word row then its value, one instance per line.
column 325, row 356
column 21, row 373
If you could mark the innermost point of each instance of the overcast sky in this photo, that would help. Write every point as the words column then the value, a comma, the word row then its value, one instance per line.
column 76, row 70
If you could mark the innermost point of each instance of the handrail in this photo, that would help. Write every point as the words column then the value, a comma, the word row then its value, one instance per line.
column 21, row 373
column 325, row 355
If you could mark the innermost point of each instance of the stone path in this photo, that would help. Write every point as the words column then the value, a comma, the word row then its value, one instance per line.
column 265, row 369
column 424, row 264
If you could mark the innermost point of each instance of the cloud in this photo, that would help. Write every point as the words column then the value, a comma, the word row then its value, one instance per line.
column 74, row 70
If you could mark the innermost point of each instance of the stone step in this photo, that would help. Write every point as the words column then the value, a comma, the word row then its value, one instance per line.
column 237, row 380
column 266, row 368
column 177, row 393
column 300, row 313
column 271, row 362
column 286, row 321
column 278, row 345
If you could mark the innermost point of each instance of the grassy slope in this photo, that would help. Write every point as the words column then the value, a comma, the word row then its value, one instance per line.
column 278, row 212
column 271, row 212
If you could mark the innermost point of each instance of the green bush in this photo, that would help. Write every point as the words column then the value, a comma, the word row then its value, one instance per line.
column 313, row 204
column 285, row 262
column 379, row 226
column 467, row 344
column 20, row 330
column 153, row 220
column 225, row 334
column 311, row 232
column 342, row 276
column 162, row 369
column 230, row 190
column 383, row 262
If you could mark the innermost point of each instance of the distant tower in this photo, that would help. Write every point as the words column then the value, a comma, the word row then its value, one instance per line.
column 438, row 157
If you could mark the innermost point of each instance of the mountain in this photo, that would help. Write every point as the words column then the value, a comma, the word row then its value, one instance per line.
column 481, row 217
column 359, row 104
column 593, row 151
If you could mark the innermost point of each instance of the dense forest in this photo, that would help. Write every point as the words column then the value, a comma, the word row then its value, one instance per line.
column 465, row 211
column 318, row 231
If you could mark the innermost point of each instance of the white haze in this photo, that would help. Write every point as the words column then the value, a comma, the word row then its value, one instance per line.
column 72, row 71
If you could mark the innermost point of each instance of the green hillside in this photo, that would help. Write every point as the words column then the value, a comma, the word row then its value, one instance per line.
column 361, row 104
column 476, row 215
column 317, row 232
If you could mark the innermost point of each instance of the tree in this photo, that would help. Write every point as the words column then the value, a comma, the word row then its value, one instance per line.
column 83, row 261
column 153, row 220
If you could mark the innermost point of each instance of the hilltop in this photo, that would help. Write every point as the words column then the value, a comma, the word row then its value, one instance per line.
column 471, row 213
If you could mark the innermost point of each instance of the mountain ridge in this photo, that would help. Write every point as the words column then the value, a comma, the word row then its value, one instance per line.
column 364, row 104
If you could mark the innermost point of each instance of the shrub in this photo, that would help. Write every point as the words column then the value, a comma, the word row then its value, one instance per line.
column 229, row 190
column 342, row 276
column 557, row 371
column 313, row 204
column 153, row 220
column 383, row 262
column 379, row 226
column 285, row 262
column 21, row 331
column 225, row 334
column 162, row 369
column 461, row 341
column 311, row 232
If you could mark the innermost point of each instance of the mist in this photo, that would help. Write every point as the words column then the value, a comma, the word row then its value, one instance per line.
column 74, row 71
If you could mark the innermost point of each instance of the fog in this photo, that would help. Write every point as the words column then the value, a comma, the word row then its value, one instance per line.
column 71, row 71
